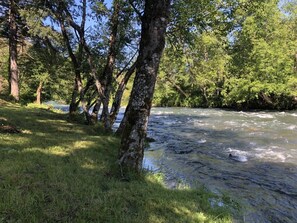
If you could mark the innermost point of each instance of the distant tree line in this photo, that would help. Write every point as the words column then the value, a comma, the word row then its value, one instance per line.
column 243, row 56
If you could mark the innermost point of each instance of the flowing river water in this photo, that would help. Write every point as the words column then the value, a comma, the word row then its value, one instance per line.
column 194, row 145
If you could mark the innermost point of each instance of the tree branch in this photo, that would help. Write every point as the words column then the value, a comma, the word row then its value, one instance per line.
column 177, row 87
column 125, row 67
column 135, row 9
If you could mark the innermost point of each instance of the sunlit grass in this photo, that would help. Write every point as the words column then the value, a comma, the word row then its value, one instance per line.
column 57, row 171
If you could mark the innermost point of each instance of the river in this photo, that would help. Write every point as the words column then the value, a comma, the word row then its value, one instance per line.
column 193, row 145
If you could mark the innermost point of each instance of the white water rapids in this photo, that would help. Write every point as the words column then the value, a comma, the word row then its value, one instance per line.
column 194, row 145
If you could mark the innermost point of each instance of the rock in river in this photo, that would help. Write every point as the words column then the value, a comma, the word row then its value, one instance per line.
column 238, row 158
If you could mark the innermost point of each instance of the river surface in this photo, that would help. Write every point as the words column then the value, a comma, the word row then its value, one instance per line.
column 194, row 145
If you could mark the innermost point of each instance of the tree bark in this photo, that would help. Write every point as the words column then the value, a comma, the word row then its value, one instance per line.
column 1, row 84
column 13, row 66
column 153, row 28
column 38, row 93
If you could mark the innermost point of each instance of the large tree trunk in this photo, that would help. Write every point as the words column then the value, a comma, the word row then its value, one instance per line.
column 109, row 67
column 154, row 23
column 13, row 66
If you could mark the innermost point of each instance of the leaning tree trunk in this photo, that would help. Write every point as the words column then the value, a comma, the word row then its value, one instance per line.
column 76, row 63
column 109, row 67
column 64, row 17
column 154, row 23
column 116, row 104
column 13, row 66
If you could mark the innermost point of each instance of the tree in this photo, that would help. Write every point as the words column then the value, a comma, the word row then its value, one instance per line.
column 44, row 72
column 119, row 94
column 13, row 54
column 240, row 54
column 262, row 61
column 194, row 66
column 99, row 76
column 3, row 66
column 107, row 75
column 154, row 23
column 65, row 18
column 194, row 76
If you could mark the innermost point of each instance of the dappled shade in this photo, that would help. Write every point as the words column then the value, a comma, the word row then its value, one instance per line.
column 61, row 171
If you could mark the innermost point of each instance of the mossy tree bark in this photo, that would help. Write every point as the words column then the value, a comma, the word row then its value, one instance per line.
column 154, row 23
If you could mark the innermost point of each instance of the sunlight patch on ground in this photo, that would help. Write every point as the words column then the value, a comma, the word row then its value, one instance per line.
column 58, row 151
column 82, row 144
column 13, row 141
column 200, row 217
column 26, row 131
column 196, row 217
column 89, row 164
column 54, row 150
column 72, row 176
column 155, row 178
column 3, row 119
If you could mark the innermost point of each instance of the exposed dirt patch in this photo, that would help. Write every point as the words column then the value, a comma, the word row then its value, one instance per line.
column 6, row 127
column 9, row 129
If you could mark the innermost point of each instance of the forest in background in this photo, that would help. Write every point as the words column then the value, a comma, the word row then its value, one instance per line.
column 232, row 54
column 243, row 56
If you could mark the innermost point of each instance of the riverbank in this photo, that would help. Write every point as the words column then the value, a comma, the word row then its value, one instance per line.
column 53, row 170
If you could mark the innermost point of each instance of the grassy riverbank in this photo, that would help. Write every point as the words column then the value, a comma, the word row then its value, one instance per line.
column 53, row 170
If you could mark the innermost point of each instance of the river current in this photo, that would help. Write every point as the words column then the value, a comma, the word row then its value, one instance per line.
column 193, row 145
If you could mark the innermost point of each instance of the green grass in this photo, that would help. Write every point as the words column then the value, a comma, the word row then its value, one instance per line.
column 58, row 171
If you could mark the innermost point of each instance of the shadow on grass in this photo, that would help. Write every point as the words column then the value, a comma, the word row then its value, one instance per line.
column 56, row 171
